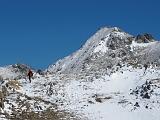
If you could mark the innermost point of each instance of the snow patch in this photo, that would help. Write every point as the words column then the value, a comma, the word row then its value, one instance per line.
column 140, row 45
column 102, row 45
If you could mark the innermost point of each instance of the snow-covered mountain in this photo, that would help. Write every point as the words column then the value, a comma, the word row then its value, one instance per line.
column 107, row 49
column 113, row 76
column 103, row 42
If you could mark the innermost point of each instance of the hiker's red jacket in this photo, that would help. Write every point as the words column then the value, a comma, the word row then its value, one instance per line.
column 30, row 73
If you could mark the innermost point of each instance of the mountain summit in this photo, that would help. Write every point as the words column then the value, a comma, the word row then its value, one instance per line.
column 104, row 50
column 104, row 40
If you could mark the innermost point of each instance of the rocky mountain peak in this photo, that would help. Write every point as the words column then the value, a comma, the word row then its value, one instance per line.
column 144, row 38
column 101, row 43
column 108, row 47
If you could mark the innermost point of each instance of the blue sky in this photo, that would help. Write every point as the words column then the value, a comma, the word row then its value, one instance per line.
column 39, row 32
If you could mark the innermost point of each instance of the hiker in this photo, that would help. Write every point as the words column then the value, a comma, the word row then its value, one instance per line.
column 30, row 74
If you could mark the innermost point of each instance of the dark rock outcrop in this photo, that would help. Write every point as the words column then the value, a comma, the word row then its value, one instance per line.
column 144, row 38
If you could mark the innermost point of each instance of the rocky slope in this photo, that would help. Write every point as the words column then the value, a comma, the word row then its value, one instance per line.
column 113, row 76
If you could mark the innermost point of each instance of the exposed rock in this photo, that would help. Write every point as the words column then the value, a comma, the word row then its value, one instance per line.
column 98, row 100
column 144, row 38
column 146, row 95
column 136, row 104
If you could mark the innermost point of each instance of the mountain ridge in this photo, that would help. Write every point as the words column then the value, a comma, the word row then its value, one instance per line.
column 102, row 42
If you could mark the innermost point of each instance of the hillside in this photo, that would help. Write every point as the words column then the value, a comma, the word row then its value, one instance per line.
column 113, row 76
